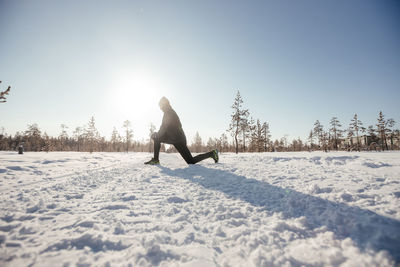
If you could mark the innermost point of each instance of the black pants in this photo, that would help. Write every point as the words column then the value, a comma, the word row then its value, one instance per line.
column 184, row 151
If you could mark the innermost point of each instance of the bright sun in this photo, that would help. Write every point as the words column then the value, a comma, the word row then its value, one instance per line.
column 135, row 93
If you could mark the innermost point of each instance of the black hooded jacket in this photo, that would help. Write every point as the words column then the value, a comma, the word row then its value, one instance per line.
column 171, row 131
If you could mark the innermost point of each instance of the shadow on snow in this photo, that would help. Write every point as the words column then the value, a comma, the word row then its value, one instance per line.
column 367, row 229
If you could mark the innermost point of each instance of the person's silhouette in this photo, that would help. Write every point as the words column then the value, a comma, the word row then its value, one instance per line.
column 171, row 132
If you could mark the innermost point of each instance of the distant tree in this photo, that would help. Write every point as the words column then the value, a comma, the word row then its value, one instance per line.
column 297, row 144
column 258, row 136
column 372, row 132
column 318, row 132
column 384, row 129
column 252, row 129
column 128, row 134
column 311, row 139
column 77, row 135
column 91, row 134
column 115, row 140
column 267, row 136
column 325, row 141
column 390, row 131
column 47, row 142
column 3, row 140
column 63, row 137
column 355, row 126
column 152, row 131
column 245, row 125
column 237, row 116
column 197, row 143
column 224, row 143
column 283, row 142
column 211, row 143
column 3, row 94
column 396, row 135
column 336, row 132
column 350, row 134
column 33, row 138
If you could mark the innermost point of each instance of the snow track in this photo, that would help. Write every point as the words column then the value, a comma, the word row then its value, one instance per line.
column 273, row 209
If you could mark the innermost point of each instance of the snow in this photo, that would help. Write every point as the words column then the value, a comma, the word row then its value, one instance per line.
column 269, row 209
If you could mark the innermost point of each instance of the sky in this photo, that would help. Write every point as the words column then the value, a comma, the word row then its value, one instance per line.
column 294, row 62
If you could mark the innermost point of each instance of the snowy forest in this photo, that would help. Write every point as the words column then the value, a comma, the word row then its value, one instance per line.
column 247, row 135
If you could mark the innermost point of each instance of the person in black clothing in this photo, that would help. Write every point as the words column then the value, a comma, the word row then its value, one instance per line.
column 171, row 132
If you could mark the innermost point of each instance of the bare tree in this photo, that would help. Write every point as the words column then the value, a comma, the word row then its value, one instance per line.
column 3, row 94
column 236, row 119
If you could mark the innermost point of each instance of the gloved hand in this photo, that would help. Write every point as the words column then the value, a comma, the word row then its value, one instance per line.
column 154, row 135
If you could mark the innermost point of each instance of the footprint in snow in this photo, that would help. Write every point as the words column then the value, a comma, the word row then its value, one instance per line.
column 176, row 200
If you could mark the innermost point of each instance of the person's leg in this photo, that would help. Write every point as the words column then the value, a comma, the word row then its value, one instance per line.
column 157, row 147
column 187, row 156
column 185, row 153
column 203, row 156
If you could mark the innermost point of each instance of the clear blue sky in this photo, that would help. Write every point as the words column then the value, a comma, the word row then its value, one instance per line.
column 293, row 61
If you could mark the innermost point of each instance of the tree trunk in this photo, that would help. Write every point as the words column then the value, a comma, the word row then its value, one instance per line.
column 236, row 144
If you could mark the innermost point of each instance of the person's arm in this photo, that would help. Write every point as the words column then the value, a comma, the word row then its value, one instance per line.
column 164, row 126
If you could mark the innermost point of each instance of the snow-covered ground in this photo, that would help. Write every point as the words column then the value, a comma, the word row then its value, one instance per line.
column 271, row 209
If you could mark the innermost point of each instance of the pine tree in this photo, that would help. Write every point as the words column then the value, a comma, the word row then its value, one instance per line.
column 33, row 138
column 390, row 131
column 355, row 126
column 78, row 137
column 115, row 140
column 318, row 132
column 237, row 119
column 384, row 129
column 336, row 132
column 245, row 128
column 197, row 143
column 311, row 139
column 91, row 134
column 46, row 142
column 211, row 143
column 63, row 137
column 128, row 134
column 258, row 136
column 267, row 136
column 151, row 132
column 224, row 143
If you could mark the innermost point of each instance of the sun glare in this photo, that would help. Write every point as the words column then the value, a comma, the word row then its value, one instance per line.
column 135, row 93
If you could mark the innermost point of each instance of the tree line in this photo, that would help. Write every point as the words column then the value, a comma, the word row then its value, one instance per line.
column 86, row 138
column 381, row 136
column 253, row 136
column 247, row 135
